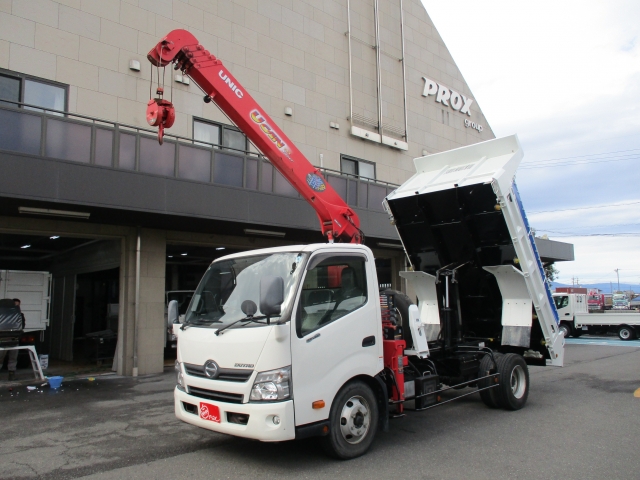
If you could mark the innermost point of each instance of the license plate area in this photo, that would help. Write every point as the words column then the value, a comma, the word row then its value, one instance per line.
column 209, row 412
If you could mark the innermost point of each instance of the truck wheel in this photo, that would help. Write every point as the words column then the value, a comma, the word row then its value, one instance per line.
column 565, row 328
column 353, row 422
column 626, row 332
column 489, row 397
column 514, row 382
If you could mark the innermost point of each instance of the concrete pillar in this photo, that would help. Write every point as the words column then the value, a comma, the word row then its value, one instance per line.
column 151, row 327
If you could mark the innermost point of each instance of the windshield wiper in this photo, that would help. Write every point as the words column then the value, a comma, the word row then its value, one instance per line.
column 198, row 322
column 246, row 319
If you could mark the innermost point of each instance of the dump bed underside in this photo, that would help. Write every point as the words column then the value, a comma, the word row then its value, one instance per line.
column 461, row 210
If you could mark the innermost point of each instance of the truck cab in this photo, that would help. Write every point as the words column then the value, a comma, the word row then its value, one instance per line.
column 273, row 335
column 568, row 304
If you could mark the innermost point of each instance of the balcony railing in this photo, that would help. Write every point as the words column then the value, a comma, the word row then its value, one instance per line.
column 29, row 129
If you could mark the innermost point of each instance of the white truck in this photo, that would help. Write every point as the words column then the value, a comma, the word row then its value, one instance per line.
column 297, row 341
column 575, row 318
column 34, row 291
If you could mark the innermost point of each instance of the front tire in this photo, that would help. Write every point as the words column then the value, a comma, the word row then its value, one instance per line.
column 353, row 422
column 514, row 382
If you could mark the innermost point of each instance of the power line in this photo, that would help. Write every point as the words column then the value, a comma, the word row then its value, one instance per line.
column 572, row 164
column 609, row 205
column 563, row 230
column 634, row 234
column 599, row 157
column 592, row 154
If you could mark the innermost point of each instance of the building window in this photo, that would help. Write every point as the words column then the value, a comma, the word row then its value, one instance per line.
column 17, row 87
column 356, row 166
column 219, row 134
column 445, row 118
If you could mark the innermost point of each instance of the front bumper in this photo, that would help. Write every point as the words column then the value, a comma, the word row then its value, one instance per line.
column 259, row 427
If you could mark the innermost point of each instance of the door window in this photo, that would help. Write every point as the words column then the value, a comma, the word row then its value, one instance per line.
column 334, row 287
column 561, row 302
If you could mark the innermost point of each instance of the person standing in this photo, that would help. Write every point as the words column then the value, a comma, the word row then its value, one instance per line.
column 13, row 354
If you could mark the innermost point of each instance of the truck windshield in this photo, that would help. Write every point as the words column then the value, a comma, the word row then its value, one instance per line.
column 228, row 283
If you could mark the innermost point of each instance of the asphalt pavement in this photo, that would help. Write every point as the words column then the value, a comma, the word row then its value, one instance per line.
column 581, row 422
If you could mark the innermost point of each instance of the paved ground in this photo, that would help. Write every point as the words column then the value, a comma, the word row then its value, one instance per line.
column 581, row 422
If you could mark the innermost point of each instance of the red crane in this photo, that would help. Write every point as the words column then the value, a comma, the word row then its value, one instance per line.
column 337, row 220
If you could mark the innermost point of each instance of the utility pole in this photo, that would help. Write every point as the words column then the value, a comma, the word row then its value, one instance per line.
column 617, row 270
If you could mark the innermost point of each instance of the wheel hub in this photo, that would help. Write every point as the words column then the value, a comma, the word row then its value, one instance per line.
column 518, row 381
column 355, row 419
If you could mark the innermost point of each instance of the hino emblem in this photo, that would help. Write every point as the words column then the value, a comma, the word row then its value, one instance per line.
column 211, row 369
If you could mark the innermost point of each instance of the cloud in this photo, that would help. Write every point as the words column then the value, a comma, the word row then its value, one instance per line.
column 564, row 76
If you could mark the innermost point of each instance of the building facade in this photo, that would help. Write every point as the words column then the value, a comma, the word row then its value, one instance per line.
column 362, row 87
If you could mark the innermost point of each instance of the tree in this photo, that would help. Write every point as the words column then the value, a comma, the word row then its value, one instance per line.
column 550, row 272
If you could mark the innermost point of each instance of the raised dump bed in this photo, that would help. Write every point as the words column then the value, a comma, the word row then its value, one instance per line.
column 473, row 254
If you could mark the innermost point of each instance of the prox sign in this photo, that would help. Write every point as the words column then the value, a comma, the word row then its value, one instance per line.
column 447, row 97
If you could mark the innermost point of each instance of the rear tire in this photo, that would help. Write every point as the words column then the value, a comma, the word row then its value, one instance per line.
column 514, row 382
column 625, row 332
column 353, row 422
column 490, row 396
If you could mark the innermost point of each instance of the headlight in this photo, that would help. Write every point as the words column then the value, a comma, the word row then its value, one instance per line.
column 179, row 376
column 272, row 386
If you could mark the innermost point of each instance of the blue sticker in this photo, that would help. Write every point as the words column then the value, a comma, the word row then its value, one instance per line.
column 316, row 182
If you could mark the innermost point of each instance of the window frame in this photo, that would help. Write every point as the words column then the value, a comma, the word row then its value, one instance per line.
column 23, row 77
column 223, row 127
column 357, row 160
column 312, row 263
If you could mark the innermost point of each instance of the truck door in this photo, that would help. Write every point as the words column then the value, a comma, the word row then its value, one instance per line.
column 336, row 326
column 563, row 306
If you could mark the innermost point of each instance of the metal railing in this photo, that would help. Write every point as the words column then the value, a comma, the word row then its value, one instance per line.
column 54, row 134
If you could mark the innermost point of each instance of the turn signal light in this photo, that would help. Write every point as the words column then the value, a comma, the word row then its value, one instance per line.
column 318, row 404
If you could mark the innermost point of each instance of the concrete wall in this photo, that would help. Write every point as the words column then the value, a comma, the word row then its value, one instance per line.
column 285, row 53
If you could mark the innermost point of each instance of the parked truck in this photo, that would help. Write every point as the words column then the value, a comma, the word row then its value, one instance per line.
column 620, row 301
column 576, row 319
column 34, row 291
column 298, row 341
column 595, row 301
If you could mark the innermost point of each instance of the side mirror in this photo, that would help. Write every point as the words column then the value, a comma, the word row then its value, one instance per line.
column 271, row 295
column 172, row 313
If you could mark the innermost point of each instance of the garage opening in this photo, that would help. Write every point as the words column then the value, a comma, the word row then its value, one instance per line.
column 69, row 289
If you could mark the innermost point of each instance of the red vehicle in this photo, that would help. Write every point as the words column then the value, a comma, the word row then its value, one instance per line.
column 595, row 300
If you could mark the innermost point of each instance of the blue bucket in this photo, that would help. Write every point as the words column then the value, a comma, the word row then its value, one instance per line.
column 55, row 382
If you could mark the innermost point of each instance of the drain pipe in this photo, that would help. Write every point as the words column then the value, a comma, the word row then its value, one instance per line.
column 137, row 308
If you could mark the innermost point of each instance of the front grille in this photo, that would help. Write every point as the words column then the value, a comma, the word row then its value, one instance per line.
column 218, row 396
column 225, row 374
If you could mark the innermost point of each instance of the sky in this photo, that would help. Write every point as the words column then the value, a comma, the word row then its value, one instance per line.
column 563, row 75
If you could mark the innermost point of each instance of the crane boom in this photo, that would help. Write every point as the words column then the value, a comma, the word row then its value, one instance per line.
column 337, row 220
